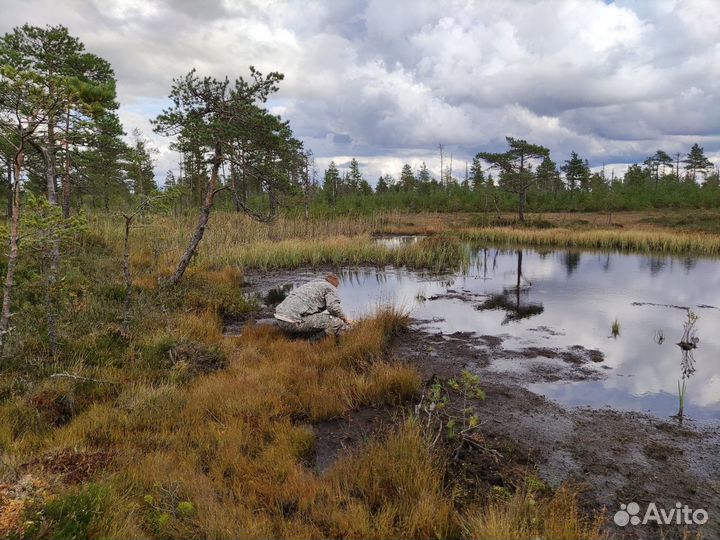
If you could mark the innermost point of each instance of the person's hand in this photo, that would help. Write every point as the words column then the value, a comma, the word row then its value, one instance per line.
column 348, row 320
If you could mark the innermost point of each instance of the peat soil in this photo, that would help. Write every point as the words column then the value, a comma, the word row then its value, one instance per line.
column 613, row 457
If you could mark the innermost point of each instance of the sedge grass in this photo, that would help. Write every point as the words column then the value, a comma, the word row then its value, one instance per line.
column 604, row 239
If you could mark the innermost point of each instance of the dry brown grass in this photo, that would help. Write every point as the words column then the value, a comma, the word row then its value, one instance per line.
column 204, row 327
column 602, row 239
column 230, row 455
column 235, row 435
column 524, row 516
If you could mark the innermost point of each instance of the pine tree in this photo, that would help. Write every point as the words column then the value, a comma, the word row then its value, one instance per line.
column 515, row 173
column 170, row 181
column 140, row 165
column 69, row 84
column 365, row 187
column 331, row 183
column 548, row 176
column 696, row 162
column 354, row 177
column 407, row 178
column 637, row 177
column 577, row 173
column 210, row 116
column 477, row 176
column 381, row 186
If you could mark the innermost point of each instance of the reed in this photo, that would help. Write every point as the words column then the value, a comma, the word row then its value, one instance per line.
column 682, row 392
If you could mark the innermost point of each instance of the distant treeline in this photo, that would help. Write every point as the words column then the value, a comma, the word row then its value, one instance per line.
column 495, row 182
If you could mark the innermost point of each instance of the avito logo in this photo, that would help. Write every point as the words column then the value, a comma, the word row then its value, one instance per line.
column 680, row 515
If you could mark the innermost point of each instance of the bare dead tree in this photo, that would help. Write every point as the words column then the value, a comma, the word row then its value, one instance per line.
column 307, row 178
column 129, row 218
column 442, row 171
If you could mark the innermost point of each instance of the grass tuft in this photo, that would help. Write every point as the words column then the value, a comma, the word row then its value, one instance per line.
column 524, row 516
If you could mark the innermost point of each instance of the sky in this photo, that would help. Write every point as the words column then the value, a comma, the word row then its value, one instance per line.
column 387, row 81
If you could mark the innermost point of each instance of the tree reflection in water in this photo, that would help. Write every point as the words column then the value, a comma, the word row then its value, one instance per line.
column 688, row 344
column 513, row 300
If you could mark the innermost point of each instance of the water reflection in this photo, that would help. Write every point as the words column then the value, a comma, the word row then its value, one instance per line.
column 396, row 240
column 513, row 300
column 571, row 259
column 277, row 295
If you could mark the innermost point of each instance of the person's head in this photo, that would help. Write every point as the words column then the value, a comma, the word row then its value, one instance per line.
column 333, row 280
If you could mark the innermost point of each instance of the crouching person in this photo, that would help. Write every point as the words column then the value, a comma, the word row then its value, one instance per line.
column 313, row 308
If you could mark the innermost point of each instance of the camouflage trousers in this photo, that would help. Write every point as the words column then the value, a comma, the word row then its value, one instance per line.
column 316, row 323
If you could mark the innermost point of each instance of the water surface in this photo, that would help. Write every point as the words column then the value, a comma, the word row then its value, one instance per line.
column 564, row 298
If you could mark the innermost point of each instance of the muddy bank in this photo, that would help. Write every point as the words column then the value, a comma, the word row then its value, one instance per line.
column 615, row 457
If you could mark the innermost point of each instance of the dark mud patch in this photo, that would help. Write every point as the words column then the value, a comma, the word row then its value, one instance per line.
column 479, row 472
column 338, row 436
column 233, row 325
column 494, row 342
column 462, row 295
column 544, row 364
column 547, row 331
column 575, row 354
column 661, row 452
column 72, row 466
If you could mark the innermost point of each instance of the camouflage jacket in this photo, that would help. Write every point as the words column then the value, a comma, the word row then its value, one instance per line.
column 308, row 299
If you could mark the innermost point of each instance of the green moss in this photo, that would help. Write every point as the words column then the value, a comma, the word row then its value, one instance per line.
column 75, row 515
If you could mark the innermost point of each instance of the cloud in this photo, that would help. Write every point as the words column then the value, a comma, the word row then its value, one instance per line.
column 388, row 81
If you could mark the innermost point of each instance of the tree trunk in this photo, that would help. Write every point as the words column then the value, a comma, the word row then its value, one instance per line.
column 78, row 198
column 234, row 187
column 306, row 201
column 202, row 222
column 10, row 187
column 521, row 206
column 106, row 195
column 48, row 153
column 272, row 200
column 66, row 173
column 52, row 274
column 128, row 276
column 244, row 186
column 13, row 252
